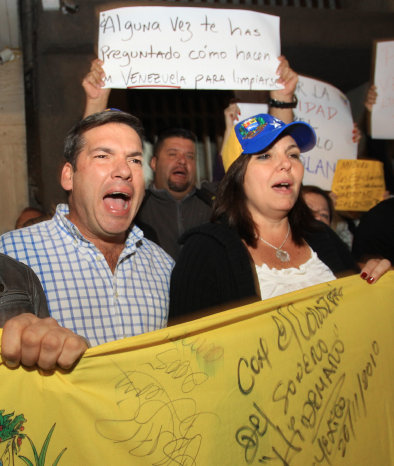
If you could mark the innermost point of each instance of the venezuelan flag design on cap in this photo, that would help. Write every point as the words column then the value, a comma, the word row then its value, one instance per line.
column 255, row 134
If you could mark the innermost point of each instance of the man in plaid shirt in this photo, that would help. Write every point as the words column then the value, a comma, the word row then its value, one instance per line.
column 103, row 280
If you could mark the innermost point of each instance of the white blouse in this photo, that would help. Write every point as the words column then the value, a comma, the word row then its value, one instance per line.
column 274, row 282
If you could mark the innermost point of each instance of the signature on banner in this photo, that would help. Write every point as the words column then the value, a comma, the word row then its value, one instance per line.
column 154, row 422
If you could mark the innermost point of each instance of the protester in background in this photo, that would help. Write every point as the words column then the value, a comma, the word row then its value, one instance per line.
column 263, row 240
column 344, row 224
column 319, row 202
column 378, row 149
column 28, row 215
column 322, row 205
column 374, row 236
column 103, row 280
column 35, row 220
column 173, row 204
column 20, row 291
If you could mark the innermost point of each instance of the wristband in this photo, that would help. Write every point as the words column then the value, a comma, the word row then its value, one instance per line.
column 279, row 104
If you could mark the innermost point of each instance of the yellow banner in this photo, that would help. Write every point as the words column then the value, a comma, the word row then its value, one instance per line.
column 358, row 184
column 302, row 379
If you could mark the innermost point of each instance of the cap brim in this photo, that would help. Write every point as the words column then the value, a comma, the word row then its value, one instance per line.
column 303, row 134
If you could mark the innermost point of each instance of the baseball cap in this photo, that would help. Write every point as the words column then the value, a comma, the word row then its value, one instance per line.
column 254, row 134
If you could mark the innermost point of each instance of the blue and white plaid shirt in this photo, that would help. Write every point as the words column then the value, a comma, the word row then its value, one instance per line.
column 82, row 292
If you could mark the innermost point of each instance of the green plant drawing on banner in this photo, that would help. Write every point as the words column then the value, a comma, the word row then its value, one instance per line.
column 11, row 437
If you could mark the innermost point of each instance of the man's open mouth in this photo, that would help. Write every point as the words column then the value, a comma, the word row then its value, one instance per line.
column 179, row 172
column 117, row 201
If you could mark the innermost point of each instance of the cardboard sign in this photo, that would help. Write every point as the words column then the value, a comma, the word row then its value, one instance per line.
column 297, row 380
column 189, row 48
column 358, row 184
column 382, row 116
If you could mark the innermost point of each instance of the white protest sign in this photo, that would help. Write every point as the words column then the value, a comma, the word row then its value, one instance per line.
column 328, row 110
column 189, row 48
column 382, row 117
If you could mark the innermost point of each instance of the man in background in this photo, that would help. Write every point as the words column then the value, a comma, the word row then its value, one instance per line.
column 173, row 203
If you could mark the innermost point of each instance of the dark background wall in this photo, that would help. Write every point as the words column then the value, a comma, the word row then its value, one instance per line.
column 331, row 41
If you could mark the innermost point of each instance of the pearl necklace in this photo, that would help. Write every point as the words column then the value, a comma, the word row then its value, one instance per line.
column 282, row 255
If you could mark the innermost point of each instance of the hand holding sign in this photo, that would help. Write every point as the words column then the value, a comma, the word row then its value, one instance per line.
column 96, row 95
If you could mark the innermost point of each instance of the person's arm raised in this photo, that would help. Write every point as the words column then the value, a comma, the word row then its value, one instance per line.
column 93, row 82
column 282, row 101
column 231, row 114
column 370, row 99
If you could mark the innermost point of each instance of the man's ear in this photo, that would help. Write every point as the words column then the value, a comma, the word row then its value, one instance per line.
column 153, row 162
column 66, row 177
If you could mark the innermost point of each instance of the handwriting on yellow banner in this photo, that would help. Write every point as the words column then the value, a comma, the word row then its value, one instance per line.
column 300, row 379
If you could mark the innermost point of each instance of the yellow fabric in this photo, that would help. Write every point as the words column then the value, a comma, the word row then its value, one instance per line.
column 231, row 150
column 299, row 379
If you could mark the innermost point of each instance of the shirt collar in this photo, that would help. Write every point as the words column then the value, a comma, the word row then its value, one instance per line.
column 62, row 210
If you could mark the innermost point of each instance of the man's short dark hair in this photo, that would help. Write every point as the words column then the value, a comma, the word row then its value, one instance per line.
column 74, row 141
column 172, row 133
